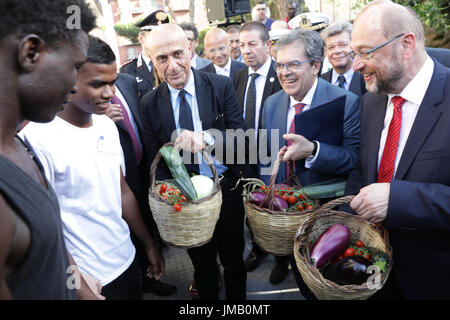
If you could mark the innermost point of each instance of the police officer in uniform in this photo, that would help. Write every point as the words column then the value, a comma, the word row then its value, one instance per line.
column 141, row 67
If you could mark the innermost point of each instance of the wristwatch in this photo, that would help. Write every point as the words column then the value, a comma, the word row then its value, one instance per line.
column 315, row 148
column 208, row 139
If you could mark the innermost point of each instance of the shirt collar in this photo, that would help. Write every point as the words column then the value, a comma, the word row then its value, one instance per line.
column 264, row 70
column 147, row 61
column 308, row 98
column 415, row 90
column 189, row 87
column 226, row 69
column 348, row 75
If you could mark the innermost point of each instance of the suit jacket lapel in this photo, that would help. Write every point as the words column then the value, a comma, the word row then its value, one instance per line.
column 204, row 99
column 374, row 122
column 425, row 120
column 145, row 72
column 241, row 87
column 164, row 104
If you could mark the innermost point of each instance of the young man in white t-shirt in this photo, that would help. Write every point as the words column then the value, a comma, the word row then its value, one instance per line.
column 82, row 157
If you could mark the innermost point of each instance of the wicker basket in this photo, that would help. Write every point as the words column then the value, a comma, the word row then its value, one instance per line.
column 194, row 225
column 274, row 231
column 360, row 229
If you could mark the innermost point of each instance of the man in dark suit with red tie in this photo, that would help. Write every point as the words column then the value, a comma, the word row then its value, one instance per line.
column 403, row 179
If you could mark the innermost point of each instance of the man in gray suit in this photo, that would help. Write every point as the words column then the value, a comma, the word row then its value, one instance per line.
column 192, row 35
column 299, row 57
column 337, row 38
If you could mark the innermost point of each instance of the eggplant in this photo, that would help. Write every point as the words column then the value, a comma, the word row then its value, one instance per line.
column 279, row 204
column 348, row 270
column 331, row 243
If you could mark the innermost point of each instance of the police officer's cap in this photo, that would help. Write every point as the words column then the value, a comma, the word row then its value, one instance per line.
column 152, row 20
column 310, row 21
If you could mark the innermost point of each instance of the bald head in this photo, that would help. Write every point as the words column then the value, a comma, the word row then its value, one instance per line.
column 169, row 50
column 217, row 47
column 391, row 19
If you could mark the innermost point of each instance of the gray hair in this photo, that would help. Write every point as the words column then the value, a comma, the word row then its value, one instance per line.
column 309, row 39
column 337, row 28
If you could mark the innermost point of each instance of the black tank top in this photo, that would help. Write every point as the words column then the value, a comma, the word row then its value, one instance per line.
column 43, row 273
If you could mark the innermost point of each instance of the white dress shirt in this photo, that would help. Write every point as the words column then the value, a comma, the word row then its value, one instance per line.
column 147, row 61
column 347, row 75
column 307, row 99
column 413, row 93
column 225, row 71
column 260, row 83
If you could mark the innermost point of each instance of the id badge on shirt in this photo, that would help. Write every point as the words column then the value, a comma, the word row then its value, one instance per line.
column 105, row 145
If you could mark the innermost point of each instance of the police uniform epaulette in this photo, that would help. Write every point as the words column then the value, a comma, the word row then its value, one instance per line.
column 128, row 62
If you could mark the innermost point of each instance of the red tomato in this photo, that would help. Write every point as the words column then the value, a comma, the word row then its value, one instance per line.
column 163, row 188
column 285, row 197
column 301, row 197
column 292, row 200
column 263, row 187
column 367, row 256
column 300, row 207
column 349, row 252
column 177, row 207
column 309, row 207
column 359, row 244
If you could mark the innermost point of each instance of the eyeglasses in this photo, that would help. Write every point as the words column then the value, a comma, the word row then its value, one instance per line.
column 364, row 55
column 292, row 66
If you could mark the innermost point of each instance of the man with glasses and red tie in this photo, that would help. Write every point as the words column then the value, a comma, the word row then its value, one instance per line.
column 403, row 179
column 299, row 56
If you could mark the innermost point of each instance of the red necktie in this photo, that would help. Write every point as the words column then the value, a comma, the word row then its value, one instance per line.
column 387, row 163
column 126, row 121
column 298, row 108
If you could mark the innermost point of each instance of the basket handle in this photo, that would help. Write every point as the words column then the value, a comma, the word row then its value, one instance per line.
column 155, row 162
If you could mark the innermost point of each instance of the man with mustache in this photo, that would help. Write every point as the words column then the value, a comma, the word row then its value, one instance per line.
column 337, row 37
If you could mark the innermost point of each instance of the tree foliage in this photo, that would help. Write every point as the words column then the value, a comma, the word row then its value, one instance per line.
column 129, row 31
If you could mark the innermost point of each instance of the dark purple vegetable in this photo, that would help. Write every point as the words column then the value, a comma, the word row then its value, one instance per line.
column 279, row 204
column 257, row 197
column 330, row 244
column 349, row 270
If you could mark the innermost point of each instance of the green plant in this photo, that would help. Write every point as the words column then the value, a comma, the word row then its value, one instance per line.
column 129, row 31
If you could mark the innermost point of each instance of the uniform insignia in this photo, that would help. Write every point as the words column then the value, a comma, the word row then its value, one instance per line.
column 160, row 16
column 128, row 62
column 271, row 79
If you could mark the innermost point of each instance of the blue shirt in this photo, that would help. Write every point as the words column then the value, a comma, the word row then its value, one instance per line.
column 192, row 100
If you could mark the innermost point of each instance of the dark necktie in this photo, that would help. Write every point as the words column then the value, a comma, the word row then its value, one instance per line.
column 341, row 80
column 127, row 122
column 387, row 163
column 185, row 117
column 250, row 103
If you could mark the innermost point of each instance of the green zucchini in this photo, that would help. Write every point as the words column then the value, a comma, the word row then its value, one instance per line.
column 328, row 189
column 179, row 173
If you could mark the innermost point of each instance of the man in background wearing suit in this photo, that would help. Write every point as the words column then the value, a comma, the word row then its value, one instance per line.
column 199, row 107
column 403, row 179
column 192, row 35
column 124, row 111
column 253, row 85
column 233, row 34
column 337, row 37
column 142, row 67
column 299, row 57
column 217, row 49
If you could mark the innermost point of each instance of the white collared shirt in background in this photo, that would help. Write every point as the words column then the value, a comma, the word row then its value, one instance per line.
column 413, row 93
column 225, row 71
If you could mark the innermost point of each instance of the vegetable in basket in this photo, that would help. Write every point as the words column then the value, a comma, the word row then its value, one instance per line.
column 203, row 185
column 179, row 173
column 349, row 270
column 330, row 244
column 279, row 204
